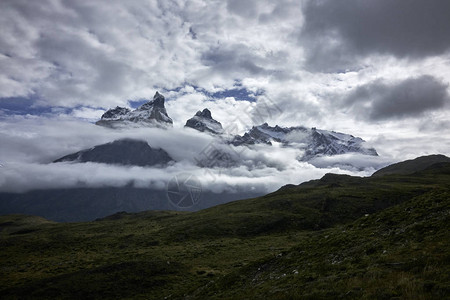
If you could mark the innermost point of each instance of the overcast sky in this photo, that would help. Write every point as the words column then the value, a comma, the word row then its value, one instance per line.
column 379, row 69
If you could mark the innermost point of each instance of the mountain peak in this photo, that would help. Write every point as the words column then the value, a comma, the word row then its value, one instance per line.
column 152, row 113
column 203, row 121
column 158, row 100
column 206, row 113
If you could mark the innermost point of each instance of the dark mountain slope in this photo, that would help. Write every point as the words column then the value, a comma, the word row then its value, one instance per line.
column 121, row 152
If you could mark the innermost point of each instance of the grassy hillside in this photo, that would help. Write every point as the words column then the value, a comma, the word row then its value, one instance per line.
column 338, row 237
column 413, row 165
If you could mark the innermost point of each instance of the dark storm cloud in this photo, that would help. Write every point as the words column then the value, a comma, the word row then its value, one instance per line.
column 233, row 59
column 338, row 32
column 411, row 97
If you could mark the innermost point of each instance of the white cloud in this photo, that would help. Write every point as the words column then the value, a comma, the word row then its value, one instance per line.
column 101, row 55
column 86, row 113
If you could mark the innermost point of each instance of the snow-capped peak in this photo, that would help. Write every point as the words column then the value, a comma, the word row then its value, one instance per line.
column 313, row 141
column 158, row 101
column 203, row 121
column 152, row 113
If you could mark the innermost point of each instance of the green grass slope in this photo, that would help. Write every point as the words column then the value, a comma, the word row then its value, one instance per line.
column 346, row 237
column 401, row 252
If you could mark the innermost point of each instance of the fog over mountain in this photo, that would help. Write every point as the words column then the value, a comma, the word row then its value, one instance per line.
column 262, row 167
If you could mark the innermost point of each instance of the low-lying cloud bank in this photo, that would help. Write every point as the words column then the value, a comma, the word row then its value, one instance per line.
column 30, row 144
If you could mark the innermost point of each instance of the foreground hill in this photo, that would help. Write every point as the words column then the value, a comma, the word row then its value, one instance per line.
column 413, row 165
column 338, row 237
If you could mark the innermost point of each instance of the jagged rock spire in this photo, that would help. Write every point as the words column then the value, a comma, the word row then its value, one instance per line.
column 158, row 100
column 203, row 121
column 206, row 113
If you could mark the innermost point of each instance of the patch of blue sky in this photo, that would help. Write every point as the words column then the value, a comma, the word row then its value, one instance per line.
column 27, row 106
column 22, row 106
column 136, row 103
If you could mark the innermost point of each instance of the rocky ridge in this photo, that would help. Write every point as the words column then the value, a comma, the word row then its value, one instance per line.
column 313, row 141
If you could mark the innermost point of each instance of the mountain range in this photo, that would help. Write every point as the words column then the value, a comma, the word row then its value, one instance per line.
column 314, row 142
column 83, row 203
